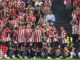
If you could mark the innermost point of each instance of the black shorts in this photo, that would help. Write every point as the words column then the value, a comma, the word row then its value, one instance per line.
column 75, row 38
column 20, row 44
column 39, row 44
column 8, row 44
column 55, row 44
column 64, row 45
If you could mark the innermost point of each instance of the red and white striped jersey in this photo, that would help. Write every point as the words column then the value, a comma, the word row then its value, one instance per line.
column 8, row 38
column 29, row 35
column 47, row 4
column 30, row 20
column 75, row 2
column 64, row 40
column 21, row 35
column 49, row 40
column 2, row 23
column 75, row 29
column 18, row 3
column 14, row 21
column 55, row 33
column 6, row 30
column 38, row 35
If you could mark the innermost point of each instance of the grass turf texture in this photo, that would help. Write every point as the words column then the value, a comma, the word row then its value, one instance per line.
column 39, row 59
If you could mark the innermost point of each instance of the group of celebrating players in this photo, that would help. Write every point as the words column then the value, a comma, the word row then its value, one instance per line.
column 24, row 30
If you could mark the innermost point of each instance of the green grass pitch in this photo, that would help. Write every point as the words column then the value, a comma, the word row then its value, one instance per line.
column 39, row 59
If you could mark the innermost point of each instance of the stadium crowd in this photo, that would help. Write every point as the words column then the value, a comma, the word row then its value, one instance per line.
column 27, row 28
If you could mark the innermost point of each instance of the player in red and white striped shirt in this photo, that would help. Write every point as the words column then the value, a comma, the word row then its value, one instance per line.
column 38, row 36
column 21, row 39
column 48, row 4
column 75, row 30
column 63, row 36
column 6, row 38
column 3, row 38
column 50, row 34
column 29, row 35
column 7, row 35
column 49, row 40
column 21, row 36
column 55, row 35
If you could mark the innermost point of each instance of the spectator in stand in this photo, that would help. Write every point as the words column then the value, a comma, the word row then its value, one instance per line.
column 48, row 4
column 26, row 2
column 74, row 14
column 50, row 18
column 76, row 3
column 31, row 19
column 67, row 3
column 39, row 3
column 45, row 12
column 37, row 13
